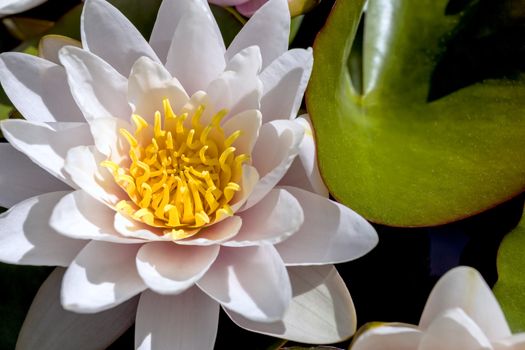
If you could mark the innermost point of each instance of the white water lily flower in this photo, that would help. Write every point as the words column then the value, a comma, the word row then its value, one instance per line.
column 461, row 314
column 161, row 184
column 10, row 7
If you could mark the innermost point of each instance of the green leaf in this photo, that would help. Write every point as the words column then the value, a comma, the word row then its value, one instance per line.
column 408, row 148
column 510, row 288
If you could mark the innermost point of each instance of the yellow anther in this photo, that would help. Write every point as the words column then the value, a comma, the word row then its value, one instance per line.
column 139, row 122
column 231, row 139
column 127, row 135
column 112, row 166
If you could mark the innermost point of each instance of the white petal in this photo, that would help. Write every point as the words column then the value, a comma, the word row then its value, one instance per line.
column 83, row 166
column 48, row 326
column 38, row 88
column 78, row 215
column 47, row 144
column 251, row 281
column 464, row 287
column 216, row 233
column 275, row 218
column 274, row 152
column 454, row 330
column 99, row 90
column 389, row 337
column 27, row 239
column 168, row 268
column 50, row 45
column 21, row 179
column 168, row 18
column 331, row 233
column 176, row 322
column 284, row 82
column 110, row 35
column 320, row 312
column 250, row 179
column 238, row 88
column 304, row 171
column 9, row 7
column 514, row 342
column 149, row 84
column 109, row 141
column 269, row 29
column 102, row 276
column 134, row 229
column 196, row 54
column 249, row 122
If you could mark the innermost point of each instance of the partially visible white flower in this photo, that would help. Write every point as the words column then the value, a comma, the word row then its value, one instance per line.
column 10, row 7
column 461, row 313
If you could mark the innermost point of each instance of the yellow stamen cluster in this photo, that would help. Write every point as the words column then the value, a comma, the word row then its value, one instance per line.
column 182, row 174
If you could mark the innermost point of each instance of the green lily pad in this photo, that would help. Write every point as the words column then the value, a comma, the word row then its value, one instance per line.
column 397, row 151
column 510, row 288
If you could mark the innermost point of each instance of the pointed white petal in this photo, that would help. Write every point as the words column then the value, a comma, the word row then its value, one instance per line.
column 48, row 326
column 27, row 239
column 196, row 53
column 102, row 276
column 38, row 88
column 389, row 337
column 331, row 233
column 21, row 179
column 83, row 166
column 454, row 330
column 238, row 88
column 134, row 229
column 250, row 179
column 50, row 45
column 109, row 141
column 304, row 171
column 78, row 215
column 216, row 233
column 464, row 287
column 284, row 82
column 110, row 35
column 99, row 90
column 176, row 322
column 249, row 123
column 149, row 84
column 168, row 18
column 9, row 7
column 251, row 281
column 275, row 218
column 320, row 312
column 168, row 268
column 274, row 152
column 514, row 342
column 47, row 144
column 273, row 19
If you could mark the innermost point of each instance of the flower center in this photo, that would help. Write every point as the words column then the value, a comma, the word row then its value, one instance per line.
column 181, row 174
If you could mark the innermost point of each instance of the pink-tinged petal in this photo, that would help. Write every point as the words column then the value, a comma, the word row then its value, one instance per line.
column 215, row 234
column 168, row 268
column 27, row 239
column 454, row 330
column 274, row 152
column 248, row 8
column 22, row 179
column 102, row 276
column 109, row 141
column 38, row 88
column 134, row 229
column 224, row 3
column 176, row 322
column 251, row 281
column 49, row 327
column 10, row 7
column 273, row 19
column 238, row 88
column 250, row 179
column 389, row 337
column 110, row 35
column 285, row 81
column 50, row 45
column 83, row 166
column 275, row 218
column 78, row 215
column 149, row 84
column 304, row 171
column 514, row 342
column 99, row 90
column 249, row 123
column 196, row 53
column 331, row 233
column 47, row 144
column 321, row 311
column 463, row 287
column 168, row 18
